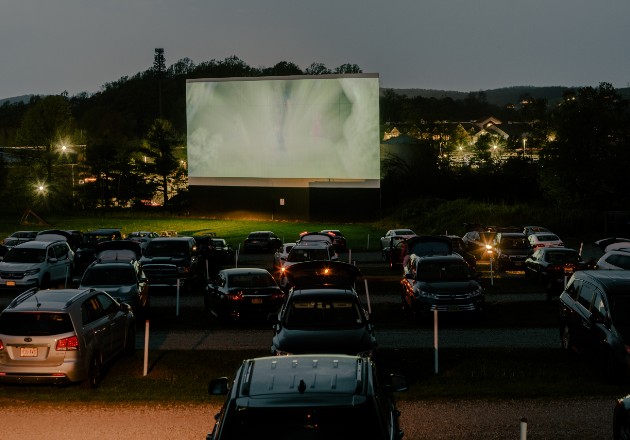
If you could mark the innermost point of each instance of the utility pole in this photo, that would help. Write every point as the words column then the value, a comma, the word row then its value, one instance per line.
column 159, row 67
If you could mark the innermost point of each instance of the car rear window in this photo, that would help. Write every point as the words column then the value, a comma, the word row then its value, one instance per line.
column 35, row 323
column 549, row 237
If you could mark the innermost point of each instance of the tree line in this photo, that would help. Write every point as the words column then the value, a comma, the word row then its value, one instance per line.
column 126, row 143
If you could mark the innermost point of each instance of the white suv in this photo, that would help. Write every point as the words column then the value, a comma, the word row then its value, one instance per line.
column 36, row 264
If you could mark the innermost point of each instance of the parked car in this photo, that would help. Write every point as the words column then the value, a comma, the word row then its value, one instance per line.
column 86, row 250
column 511, row 249
column 323, row 313
column 280, row 256
column 36, row 264
column 119, row 273
column 169, row 260
column 11, row 243
column 142, row 237
column 22, row 235
column 612, row 243
column 339, row 240
column 459, row 247
column 307, row 251
column 615, row 259
column 261, row 241
column 386, row 240
column 442, row 282
column 553, row 266
column 399, row 251
column 480, row 244
column 315, row 236
column 544, row 239
column 62, row 336
column 72, row 236
column 595, row 319
column 243, row 293
column 323, row 396
column 529, row 230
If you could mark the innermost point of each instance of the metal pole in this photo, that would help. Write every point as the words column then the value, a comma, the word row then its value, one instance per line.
column 367, row 295
column 146, row 348
column 491, row 273
column 177, row 303
column 349, row 255
column 435, row 338
column 523, row 429
column 368, row 243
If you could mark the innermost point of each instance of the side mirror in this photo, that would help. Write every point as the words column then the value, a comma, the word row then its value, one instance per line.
column 218, row 387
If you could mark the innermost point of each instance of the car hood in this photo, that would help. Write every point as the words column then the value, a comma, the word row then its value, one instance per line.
column 162, row 260
column 605, row 242
column 455, row 287
column 329, row 273
column 346, row 341
column 118, row 291
column 19, row 267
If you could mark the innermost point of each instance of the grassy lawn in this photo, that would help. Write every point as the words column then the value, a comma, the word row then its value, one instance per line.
column 182, row 376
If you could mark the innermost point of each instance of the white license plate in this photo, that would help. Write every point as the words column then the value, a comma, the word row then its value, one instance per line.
column 257, row 300
column 11, row 283
column 28, row 351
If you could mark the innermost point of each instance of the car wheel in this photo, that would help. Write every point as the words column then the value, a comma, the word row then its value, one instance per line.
column 95, row 372
column 130, row 342
column 567, row 341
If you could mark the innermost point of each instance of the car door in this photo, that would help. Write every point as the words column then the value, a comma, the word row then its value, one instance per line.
column 597, row 340
column 61, row 270
column 115, row 320
column 582, row 325
column 96, row 329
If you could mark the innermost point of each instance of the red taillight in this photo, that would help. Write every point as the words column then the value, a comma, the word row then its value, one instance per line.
column 238, row 296
column 66, row 344
column 1, row 345
column 277, row 295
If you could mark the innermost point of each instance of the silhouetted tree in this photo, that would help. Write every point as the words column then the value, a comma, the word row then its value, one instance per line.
column 160, row 149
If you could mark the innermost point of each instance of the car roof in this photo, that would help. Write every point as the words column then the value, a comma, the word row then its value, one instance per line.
column 319, row 291
column 243, row 270
column 439, row 257
column 35, row 244
column 299, row 377
column 51, row 300
column 616, row 280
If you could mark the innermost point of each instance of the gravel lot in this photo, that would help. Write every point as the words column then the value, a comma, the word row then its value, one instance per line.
column 557, row 420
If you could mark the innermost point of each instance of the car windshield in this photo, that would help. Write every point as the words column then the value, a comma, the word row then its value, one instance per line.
column 166, row 248
column 298, row 255
column 443, row 271
column 25, row 255
column 430, row 247
column 250, row 280
column 102, row 276
column 34, row 323
column 317, row 422
column 309, row 313
column 562, row 257
column 548, row 237
column 514, row 243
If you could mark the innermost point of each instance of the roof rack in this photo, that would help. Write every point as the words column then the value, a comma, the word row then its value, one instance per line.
column 23, row 297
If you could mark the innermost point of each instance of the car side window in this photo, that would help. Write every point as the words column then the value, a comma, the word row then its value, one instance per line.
column 624, row 262
column 91, row 310
column 50, row 253
column 107, row 304
column 599, row 307
column 61, row 251
column 573, row 288
column 585, row 297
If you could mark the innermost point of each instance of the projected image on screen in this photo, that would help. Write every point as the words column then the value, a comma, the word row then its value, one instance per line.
column 293, row 127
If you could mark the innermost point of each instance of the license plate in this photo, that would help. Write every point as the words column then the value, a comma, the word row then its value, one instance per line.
column 568, row 270
column 28, row 351
column 11, row 283
column 453, row 308
column 518, row 263
column 257, row 300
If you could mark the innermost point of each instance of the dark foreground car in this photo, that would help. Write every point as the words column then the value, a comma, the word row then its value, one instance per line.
column 169, row 260
column 261, row 241
column 595, row 319
column 328, row 397
column 323, row 313
column 243, row 293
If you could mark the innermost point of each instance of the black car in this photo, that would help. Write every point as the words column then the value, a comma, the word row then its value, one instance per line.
column 261, row 241
column 512, row 248
column 440, row 282
column 323, row 313
column 169, row 261
column 324, row 396
column 86, row 250
column 243, row 293
column 621, row 419
column 459, row 247
column 553, row 266
column 595, row 318
column 400, row 248
column 339, row 240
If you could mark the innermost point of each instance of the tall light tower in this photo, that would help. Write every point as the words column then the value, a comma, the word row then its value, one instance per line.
column 159, row 67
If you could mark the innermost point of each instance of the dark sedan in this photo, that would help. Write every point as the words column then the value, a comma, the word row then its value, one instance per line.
column 261, row 241
column 241, row 293
column 323, row 313
column 553, row 266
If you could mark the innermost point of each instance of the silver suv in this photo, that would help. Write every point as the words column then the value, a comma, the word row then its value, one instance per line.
column 36, row 264
column 61, row 336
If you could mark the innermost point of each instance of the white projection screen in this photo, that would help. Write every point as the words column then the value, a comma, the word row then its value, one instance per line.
column 292, row 131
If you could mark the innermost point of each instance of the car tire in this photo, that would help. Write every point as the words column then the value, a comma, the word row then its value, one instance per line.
column 95, row 372
column 567, row 340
